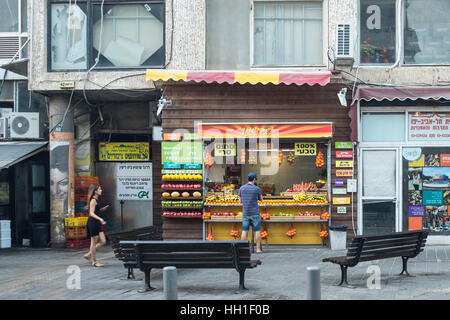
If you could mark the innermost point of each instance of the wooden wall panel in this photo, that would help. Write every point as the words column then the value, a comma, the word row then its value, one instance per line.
column 157, row 166
column 193, row 102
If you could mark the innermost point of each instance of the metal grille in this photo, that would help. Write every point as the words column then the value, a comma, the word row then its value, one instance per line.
column 9, row 47
column 343, row 40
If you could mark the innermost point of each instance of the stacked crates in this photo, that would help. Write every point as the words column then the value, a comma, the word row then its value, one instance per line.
column 76, row 232
column 81, row 189
column 5, row 234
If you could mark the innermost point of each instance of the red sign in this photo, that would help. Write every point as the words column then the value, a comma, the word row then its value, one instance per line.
column 261, row 130
column 344, row 154
column 445, row 160
column 415, row 223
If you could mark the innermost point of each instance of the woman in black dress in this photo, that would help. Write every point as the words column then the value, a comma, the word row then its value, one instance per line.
column 94, row 223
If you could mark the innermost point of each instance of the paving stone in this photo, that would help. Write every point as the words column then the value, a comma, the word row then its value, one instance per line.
column 40, row 274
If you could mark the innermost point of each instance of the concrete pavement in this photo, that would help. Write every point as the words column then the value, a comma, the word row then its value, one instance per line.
column 41, row 274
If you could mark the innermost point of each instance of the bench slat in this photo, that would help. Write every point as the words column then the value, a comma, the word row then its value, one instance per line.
column 388, row 236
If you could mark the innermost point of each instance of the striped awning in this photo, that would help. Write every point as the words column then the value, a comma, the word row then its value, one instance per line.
column 242, row 77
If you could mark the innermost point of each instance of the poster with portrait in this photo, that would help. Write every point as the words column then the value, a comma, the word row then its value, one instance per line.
column 415, row 179
column 62, row 177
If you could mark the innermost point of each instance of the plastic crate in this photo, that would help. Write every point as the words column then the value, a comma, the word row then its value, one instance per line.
column 83, row 183
column 81, row 197
column 77, row 233
column 78, row 244
column 82, row 214
column 80, row 206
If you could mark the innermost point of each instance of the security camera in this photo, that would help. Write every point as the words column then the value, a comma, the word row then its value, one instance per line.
column 341, row 95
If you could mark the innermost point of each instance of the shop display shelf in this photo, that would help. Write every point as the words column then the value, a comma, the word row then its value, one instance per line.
column 228, row 218
column 270, row 205
column 182, row 217
column 182, row 180
column 183, row 208
column 182, row 189
column 181, row 198
column 267, row 220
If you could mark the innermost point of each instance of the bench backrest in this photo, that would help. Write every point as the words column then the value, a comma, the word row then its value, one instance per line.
column 192, row 254
column 405, row 244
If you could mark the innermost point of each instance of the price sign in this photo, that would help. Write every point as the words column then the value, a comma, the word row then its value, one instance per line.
column 305, row 149
column 225, row 149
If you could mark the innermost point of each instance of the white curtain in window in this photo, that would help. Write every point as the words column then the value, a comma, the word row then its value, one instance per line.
column 287, row 33
column 379, row 173
column 68, row 37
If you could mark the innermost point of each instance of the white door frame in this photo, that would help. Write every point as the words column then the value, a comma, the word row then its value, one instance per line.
column 398, row 198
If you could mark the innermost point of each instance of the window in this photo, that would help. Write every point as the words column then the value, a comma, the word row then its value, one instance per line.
column 121, row 35
column 383, row 127
column 287, row 33
column 13, row 28
column 378, row 31
column 427, row 32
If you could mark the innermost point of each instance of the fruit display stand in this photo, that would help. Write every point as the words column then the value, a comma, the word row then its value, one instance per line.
column 285, row 212
column 182, row 194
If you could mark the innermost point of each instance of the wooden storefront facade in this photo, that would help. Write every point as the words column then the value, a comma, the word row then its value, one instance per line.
column 252, row 103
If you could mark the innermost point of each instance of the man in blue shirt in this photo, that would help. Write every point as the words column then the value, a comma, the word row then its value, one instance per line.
column 249, row 195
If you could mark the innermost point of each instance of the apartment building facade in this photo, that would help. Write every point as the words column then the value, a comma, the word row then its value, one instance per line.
column 104, row 65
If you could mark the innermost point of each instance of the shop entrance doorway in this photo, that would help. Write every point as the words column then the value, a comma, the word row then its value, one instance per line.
column 379, row 201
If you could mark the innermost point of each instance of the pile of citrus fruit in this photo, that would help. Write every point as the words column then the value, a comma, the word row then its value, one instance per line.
column 183, row 176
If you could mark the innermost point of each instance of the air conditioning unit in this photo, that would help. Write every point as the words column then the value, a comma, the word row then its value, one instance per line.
column 3, row 128
column 24, row 125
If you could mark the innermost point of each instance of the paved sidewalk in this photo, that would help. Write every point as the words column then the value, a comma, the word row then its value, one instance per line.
column 39, row 274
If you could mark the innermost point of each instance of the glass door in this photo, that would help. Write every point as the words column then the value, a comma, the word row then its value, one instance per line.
column 379, row 190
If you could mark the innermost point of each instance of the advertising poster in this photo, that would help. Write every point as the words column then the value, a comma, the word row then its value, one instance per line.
column 416, row 211
column 415, row 179
column 427, row 189
column 62, row 175
column 432, row 197
column 415, row 223
column 134, row 181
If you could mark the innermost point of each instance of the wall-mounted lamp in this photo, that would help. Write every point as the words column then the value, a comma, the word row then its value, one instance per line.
column 161, row 104
column 341, row 95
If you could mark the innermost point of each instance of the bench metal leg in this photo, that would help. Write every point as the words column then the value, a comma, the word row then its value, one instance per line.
column 405, row 266
column 130, row 275
column 241, row 281
column 343, row 275
column 147, row 286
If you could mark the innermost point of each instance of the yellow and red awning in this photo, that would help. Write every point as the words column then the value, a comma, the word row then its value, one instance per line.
column 242, row 77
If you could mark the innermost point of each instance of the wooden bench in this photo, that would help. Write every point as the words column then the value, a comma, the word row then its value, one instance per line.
column 366, row 248
column 126, row 253
column 196, row 254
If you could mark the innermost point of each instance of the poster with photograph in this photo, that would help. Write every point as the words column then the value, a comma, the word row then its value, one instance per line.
column 415, row 179
column 436, row 178
column 436, row 218
column 414, row 198
column 446, row 197
column 432, row 160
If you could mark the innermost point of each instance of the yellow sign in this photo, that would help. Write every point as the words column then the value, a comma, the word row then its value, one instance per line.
column 418, row 163
column 345, row 200
column 225, row 149
column 344, row 173
column 124, row 151
column 305, row 149
column 344, row 164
